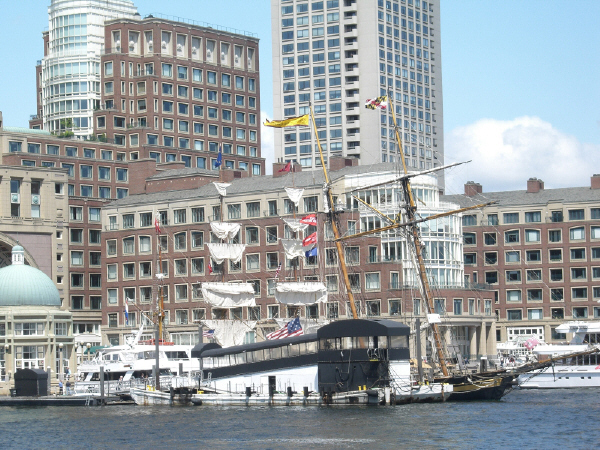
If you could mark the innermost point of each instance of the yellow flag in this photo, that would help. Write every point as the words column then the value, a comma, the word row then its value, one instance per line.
column 293, row 122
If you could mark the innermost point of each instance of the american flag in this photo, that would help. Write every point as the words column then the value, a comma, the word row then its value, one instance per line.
column 208, row 334
column 292, row 328
column 278, row 270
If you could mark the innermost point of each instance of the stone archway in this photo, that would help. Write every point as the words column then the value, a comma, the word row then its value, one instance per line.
column 6, row 245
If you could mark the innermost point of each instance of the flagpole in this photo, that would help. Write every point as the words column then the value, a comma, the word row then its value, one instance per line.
column 334, row 227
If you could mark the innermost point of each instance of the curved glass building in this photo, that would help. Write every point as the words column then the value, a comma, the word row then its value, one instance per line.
column 71, row 65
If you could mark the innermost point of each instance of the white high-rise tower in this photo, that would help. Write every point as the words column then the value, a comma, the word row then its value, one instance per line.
column 339, row 53
column 71, row 65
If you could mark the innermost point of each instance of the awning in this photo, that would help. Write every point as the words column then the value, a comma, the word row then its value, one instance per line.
column 94, row 348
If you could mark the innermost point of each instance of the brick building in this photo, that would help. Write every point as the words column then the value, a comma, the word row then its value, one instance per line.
column 539, row 251
column 167, row 106
column 259, row 204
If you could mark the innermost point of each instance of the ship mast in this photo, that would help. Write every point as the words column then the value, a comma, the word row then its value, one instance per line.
column 334, row 227
column 414, row 232
column 160, row 314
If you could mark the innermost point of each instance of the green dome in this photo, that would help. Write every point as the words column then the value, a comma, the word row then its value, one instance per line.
column 22, row 285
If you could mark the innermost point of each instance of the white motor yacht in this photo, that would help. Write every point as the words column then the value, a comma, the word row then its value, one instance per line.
column 572, row 372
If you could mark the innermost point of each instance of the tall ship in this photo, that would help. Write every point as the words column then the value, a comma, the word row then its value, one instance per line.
column 346, row 357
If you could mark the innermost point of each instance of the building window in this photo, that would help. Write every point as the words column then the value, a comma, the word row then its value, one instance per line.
column 469, row 238
column 513, row 276
column 332, row 309
column 556, row 294
column 234, row 211
column 579, row 293
column 373, row 308
column 512, row 257
column 555, row 235
column 580, row 312
column 439, row 306
column 533, row 216
column 491, row 277
column 513, row 296
column 273, row 311
column 372, row 281
column 511, row 218
column 514, row 314
column 180, row 241
column 253, row 209
column 576, row 214
column 395, row 307
column 511, row 237
column 577, row 234
column 469, row 220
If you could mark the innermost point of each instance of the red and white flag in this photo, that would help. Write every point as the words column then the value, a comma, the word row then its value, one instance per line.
column 310, row 240
column 278, row 270
column 157, row 223
column 210, row 268
column 311, row 219
column 287, row 167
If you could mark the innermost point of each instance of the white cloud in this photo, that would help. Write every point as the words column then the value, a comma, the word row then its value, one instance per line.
column 267, row 138
column 506, row 153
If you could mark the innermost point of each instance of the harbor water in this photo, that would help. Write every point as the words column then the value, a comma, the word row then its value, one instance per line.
column 523, row 419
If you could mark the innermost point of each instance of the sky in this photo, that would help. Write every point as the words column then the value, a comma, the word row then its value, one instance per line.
column 521, row 84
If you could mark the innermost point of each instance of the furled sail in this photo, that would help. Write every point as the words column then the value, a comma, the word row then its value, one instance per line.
column 293, row 248
column 294, row 194
column 295, row 225
column 230, row 332
column 222, row 188
column 228, row 295
column 300, row 293
column 225, row 230
column 221, row 252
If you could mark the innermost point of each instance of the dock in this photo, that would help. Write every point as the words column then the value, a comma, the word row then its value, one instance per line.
column 65, row 400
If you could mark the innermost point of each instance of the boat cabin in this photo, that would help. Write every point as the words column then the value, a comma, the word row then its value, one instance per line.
column 342, row 356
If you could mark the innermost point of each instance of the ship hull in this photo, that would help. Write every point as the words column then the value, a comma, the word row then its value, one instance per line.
column 484, row 389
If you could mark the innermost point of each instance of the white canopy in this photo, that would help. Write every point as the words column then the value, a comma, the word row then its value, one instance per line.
column 221, row 252
column 300, row 293
column 228, row 295
column 225, row 230
column 222, row 188
column 294, row 194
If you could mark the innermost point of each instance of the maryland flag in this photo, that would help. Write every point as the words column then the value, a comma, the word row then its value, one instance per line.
column 377, row 103
column 293, row 122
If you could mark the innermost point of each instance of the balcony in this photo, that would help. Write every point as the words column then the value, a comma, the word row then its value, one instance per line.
column 352, row 20
column 351, row 44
